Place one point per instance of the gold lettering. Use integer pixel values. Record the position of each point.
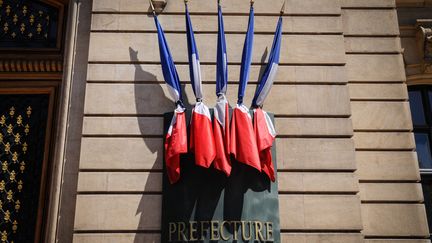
(258, 228)
(244, 230)
(214, 226)
(180, 233)
(203, 229)
(235, 229)
(192, 229)
(172, 229)
(222, 230)
(269, 231)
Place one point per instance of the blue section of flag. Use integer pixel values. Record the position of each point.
(270, 71)
(168, 68)
(222, 61)
(246, 57)
(194, 67)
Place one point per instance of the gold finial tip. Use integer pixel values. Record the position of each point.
(185, 1)
(252, 2)
(282, 11)
(283, 8)
(152, 7)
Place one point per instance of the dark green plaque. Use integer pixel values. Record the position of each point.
(206, 206)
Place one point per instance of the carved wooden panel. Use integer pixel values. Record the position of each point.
(23, 126)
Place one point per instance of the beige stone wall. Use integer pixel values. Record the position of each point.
(340, 106)
(387, 164)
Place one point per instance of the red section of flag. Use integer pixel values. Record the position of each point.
(222, 138)
(201, 136)
(175, 144)
(243, 142)
(265, 136)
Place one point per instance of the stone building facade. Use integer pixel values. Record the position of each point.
(348, 170)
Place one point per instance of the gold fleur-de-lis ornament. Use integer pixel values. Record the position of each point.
(5, 166)
(17, 138)
(9, 128)
(2, 120)
(22, 166)
(20, 185)
(25, 147)
(7, 148)
(2, 185)
(14, 157)
(4, 236)
(9, 196)
(7, 215)
(19, 120)
(14, 226)
(12, 176)
(17, 205)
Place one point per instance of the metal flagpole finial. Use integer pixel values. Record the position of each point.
(152, 7)
(252, 2)
(282, 11)
(218, 2)
(186, 1)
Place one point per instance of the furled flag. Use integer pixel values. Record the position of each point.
(221, 111)
(263, 126)
(243, 142)
(176, 137)
(201, 133)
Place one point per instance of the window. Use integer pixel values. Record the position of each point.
(421, 111)
(420, 98)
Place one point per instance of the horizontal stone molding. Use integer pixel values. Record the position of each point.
(153, 126)
(384, 140)
(146, 153)
(143, 212)
(285, 237)
(383, 92)
(375, 68)
(155, 99)
(370, 22)
(206, 23)
(116, 238)
(153, 73)
(387, 166)
(391, 192)
(394, 220)
(368, 4)
(228, 6)
(363, 45)
(151, 182)
(143, 47)
(381, 116)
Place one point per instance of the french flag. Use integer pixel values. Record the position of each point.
(263, 126)
(221, 130)
(176, 137)
(243, 141)
(201, 132)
